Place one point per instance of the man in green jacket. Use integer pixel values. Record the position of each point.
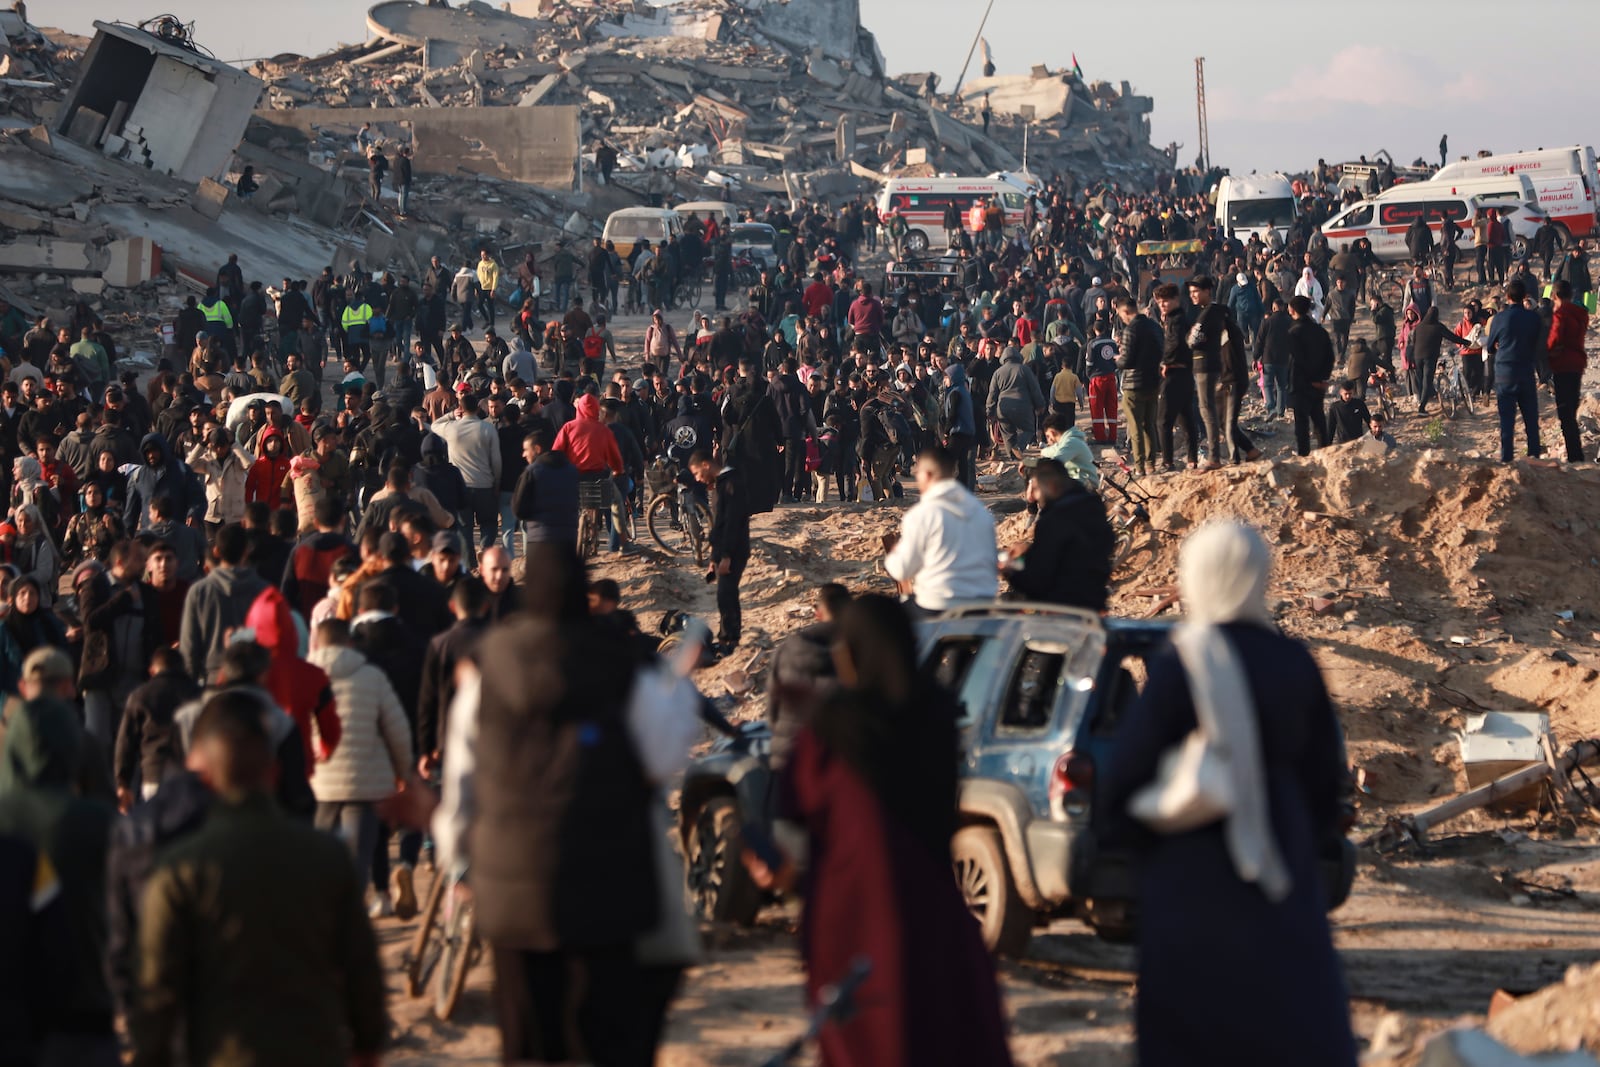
(253, 939)
(42, 802)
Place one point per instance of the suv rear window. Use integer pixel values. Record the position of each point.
(965, 667)
(1031, 696)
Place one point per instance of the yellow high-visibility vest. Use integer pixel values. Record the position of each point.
(217, 312)
(357, 315)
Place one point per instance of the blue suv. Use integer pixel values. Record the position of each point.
(1042, 690)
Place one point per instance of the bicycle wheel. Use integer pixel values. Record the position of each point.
(425, 945)
(460, 952)
(588, 533)
(1391, 290)
(699, 526)
(661, 518)
(1122, 549)
(1467, 401)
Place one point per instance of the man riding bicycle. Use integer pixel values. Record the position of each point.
(592, 448)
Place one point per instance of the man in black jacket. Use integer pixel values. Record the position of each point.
(545, 500)
(1139, 360)
(1347, 416)
(1069, 561)
(729, 540)
(789, 397)
(1310, 367)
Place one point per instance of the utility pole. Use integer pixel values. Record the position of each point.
(975, 38)
(1200, 106)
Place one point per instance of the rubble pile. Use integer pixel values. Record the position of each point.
(773, 98)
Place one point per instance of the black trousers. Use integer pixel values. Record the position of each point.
(728, 603)
(1567, 393)
(964, 447)
(543, 999)
(797, 483)
(1308, 413)
(1177, 402)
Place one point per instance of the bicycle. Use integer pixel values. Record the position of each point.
(676, 517)
(1380, 389)
(1390, 284)
(835, 1005)
(1130, 517)
(1451, 385)
(444, 951)
(594, 498)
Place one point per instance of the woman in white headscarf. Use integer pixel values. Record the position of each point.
(1311, 289)
(1233, 913)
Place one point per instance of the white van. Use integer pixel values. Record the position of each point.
(634, 224)
(1565, 180)
(1385, 220)
(1252, 204)
(921, 202)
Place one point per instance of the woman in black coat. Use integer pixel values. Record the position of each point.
(1234, 913)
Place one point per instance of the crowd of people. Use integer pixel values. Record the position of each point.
(254, 595)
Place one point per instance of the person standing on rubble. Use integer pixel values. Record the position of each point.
(605, 158)
(402, 180)
(378, 166)
(1234, 912)
(464, 291)
(488, 282)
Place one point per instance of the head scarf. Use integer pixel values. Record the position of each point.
(1222, 576)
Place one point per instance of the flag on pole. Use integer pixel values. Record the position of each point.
(1075, 68)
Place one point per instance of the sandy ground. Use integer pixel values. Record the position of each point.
(1442, 574)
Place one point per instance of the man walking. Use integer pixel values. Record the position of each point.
(1513, 345)
(252, 944)
(474, 450)
(729, 540)
(1310, 367)
(945, 553)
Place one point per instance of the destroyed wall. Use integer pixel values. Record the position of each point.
(537, 145)
(154, 103)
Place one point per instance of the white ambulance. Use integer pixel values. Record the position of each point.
(921, 202)
(1564, 179)
(1385, 219)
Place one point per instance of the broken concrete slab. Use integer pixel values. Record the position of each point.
(538, 145)
(44, 254)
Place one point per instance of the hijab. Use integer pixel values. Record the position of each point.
(1222, 577)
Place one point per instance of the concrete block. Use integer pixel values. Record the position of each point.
(113, 145)
(87, 126)
(132, 261)
(89, 285)
(209, 198)
(44, 253)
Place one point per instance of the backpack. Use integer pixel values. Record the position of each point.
(895, 426)
(594, 346)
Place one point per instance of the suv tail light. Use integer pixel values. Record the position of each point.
(1073, 773)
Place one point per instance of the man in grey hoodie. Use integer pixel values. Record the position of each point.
(218, 603)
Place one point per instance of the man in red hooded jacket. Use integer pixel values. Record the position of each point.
(587, 442)
(267, 474)
(300, 688)
(1568, 328)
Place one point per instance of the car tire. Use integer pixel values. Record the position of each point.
(916, 242)
(720, 889)
(984, 879)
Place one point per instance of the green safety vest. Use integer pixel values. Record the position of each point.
(359, 315)
(217, 312)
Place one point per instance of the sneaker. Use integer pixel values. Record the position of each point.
(381, 907)
(405, 893)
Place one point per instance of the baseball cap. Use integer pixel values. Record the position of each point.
(445, 541)
(463, 387)
(48, 665)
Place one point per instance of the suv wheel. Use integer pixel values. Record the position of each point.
(984, 879)
(719, 885)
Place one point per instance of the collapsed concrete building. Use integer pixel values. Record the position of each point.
(774, 97)
(120, 155)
